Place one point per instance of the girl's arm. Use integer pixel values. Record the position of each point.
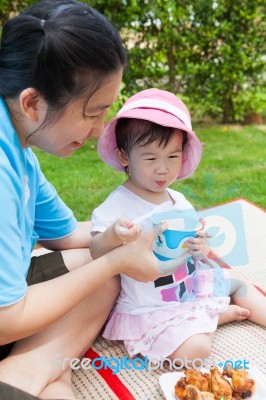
(120, 232)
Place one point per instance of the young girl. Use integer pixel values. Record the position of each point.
(152, 140)
(61, 65)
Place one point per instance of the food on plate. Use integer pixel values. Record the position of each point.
(243, 386)
(220, 386)
(180, 388)
(196, 385)
(198, 379)
(190, 392)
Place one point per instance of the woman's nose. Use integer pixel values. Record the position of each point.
(98, 127)
(96, 132)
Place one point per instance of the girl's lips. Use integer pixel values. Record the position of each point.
(160, 183)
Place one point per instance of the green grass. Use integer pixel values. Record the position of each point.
(233, 165)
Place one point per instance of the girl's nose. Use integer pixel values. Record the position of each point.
(161, 168)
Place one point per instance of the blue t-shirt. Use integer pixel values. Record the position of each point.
(30, 209)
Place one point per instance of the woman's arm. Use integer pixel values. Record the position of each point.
(46, 302)
(81, 238)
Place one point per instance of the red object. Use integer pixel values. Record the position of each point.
(111, 379)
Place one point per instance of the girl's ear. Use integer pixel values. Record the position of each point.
(32, 104)
(122, 157)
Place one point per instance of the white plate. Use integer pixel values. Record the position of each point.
(167, 382)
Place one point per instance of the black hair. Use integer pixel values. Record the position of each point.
(131, 132)
(63, 48)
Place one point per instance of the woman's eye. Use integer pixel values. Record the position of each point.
(91, 116)
(150, 159)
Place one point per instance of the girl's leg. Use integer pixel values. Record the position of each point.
(233, 313)
(245, 295)
(197, 346)
(40, 362)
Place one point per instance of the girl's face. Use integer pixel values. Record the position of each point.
(74, 128)
(155, 167)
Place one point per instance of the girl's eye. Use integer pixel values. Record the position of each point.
(150, 159)
(173, 157)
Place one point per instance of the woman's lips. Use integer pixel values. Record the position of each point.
(77, 144)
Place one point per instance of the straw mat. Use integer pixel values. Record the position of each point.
(233, 341)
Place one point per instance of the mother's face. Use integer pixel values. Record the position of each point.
(74, 126)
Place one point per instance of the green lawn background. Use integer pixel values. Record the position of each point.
(233, 165)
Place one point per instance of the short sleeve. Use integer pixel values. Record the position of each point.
(102, 217)
(53, 219)
(109, 211)
(12, 261)
(29, 209)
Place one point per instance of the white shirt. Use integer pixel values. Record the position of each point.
(135, 297)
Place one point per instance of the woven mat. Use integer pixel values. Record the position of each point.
(234, 341)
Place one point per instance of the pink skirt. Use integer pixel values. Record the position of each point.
(157, 334)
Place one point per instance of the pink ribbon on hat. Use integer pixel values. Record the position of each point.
(160, 105)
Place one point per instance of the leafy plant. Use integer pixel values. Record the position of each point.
(210, 51)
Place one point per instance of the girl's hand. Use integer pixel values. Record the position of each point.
(120, 232)
(199, 247)
(125, 231)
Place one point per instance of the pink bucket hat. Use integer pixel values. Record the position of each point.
(162, 108)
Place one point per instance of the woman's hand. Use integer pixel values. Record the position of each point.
(199, 247)
(137, 260)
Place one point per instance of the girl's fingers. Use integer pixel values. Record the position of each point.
(200, 233)
(203, 223)
(196, 242)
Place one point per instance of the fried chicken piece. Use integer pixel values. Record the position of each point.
(190, 392)
(243, 386)
(220, 386)
(180, 388)
(208, 378)
(195, 394)
(196, 378)
(207, 396)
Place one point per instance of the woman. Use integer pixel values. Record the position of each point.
(61, 65)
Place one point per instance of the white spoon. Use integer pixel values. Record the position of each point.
(166, 206)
